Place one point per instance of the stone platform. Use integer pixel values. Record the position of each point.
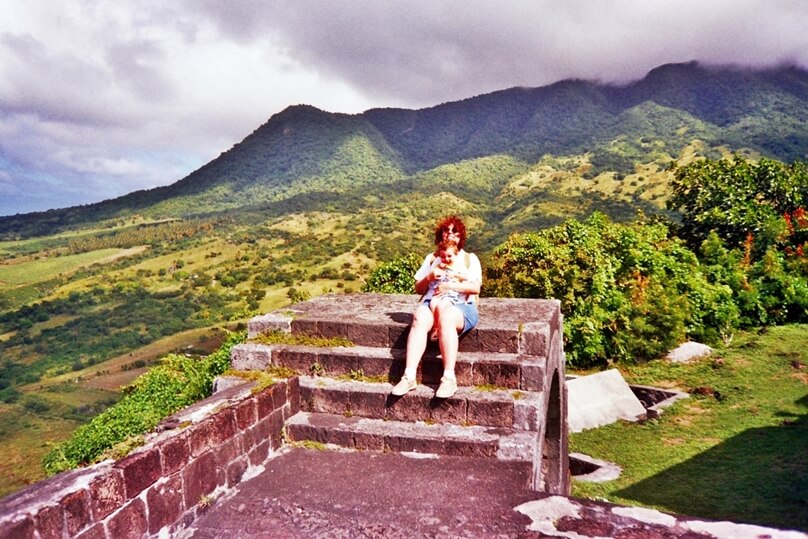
(318, 494)
(511, 401)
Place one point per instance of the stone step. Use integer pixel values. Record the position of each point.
(406, 437)
(516, 326)
(502, 370)
(513, 409)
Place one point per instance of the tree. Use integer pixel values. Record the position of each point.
(738, 200)
(628, 292)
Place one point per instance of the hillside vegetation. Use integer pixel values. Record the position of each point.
(312, 202)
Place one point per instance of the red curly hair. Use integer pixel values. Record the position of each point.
(455, 222)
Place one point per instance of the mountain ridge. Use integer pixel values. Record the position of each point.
(303, 149)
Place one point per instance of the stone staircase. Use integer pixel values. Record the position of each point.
(510, 405)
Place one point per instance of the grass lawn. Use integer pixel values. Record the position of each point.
(33, 271)
(736, 450)
(25, 438)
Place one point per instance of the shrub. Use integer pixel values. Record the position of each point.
(394, 277)
(176, 382)
(628, 292)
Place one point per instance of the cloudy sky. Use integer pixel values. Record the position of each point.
(100, 98)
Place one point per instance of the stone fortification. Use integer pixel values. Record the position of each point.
(162, 486)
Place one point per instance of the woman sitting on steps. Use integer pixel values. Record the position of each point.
(451, 320)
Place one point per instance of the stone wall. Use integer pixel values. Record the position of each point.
(196, 455)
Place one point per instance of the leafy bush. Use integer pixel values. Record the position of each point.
(394, 277)
(177, 382)
(738, 199)
(628, 292)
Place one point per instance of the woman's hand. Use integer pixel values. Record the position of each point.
(438, 273)
(444, 287)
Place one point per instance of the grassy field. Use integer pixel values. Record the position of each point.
(35, 270)
(25, 437)
(737, 449)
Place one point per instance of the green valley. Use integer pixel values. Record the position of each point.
(311, 202)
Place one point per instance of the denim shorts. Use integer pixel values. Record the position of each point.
(470, 314)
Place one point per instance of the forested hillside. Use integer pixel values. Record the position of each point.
(477, 148)
(311, 202)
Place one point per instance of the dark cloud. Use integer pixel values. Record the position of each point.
(429, 52)
(99, 99)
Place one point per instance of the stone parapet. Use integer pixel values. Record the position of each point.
(509, 369)
(197, 454)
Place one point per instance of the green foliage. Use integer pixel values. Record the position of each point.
(394, 277)
(738, 200)
(296, 296)
(629, 292)
(176, 382)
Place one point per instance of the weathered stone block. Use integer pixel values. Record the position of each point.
(49, 522)
(130, 521)
(278, 391)
(227, 452)
(199, 479)
(222, 426)
(330, 400)
(533, 373)
(299, 359)
(293, 395)
(21, 528)
(528, 413)
(410, 407)
(451, 410)
(367, 334)
(335, 364)
(259, 453)
(498, 340)
(490, 410)
(200, 436)
(469, 448)
(107, 494)
(368, 404)
(276, 429)
(140, 470)
(235, 471)
(165, 503)
(305, 327)
(268, 323)
(534, 339)
(77, 510)
(498, 374)
(261, 431)
(246, 414)
(264, 403)
(250, 357)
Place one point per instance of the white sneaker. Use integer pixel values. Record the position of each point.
(404, 386)
(447, 388)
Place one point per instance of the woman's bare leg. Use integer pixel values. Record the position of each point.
(450, 320)
(422, 322)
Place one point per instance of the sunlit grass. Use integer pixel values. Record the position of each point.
(737, 449)
(41, 269)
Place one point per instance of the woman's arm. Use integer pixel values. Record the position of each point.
(426, 274)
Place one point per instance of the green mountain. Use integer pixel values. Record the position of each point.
(482, 148)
